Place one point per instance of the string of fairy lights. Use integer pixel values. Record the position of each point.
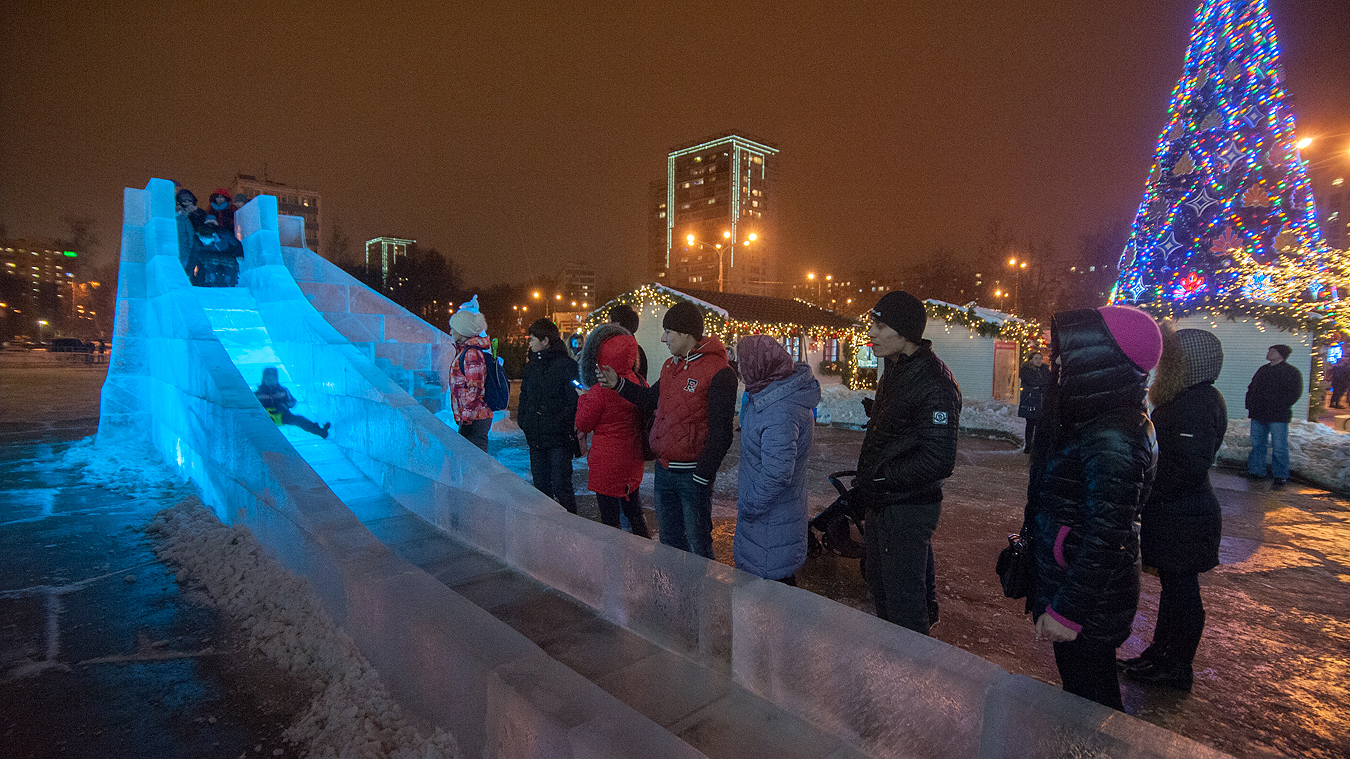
(651, 299)
(1228, 212)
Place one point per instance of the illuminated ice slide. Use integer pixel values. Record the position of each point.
(730, 658)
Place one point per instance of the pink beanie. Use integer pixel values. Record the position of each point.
(1136, 333)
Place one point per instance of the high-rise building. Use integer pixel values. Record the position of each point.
(290, 201)
(716, 217)
(382, 252)
(1336, 222)
(578, 284)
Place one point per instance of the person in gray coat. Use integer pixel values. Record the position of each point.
(776, 427)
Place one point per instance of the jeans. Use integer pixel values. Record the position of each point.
(611, 506)
(1278, 433)
(476, 432)
(1181, 620)
(900, 563)
(1029, 434)
(551, 470)
(1088, 669)
(684, 511)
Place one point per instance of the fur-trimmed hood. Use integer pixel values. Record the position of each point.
(589, 359)
(1190, 357)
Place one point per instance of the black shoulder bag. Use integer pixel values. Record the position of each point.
(1015, 567)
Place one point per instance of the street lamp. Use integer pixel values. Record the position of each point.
(1018, 267)
(721, 249)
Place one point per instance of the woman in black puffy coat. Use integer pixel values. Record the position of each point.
(1091, 466)
(1180, 525)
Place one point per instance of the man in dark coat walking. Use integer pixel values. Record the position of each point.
(1270, 401)
(547, 413)
(908, 451)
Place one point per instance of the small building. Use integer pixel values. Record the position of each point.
(833, 345)
(982, 347)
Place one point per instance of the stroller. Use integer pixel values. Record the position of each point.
(834, 524)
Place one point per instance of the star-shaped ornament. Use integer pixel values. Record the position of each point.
(1168, 245)
(1137, 289)
(1202, 202)
(1230, 155)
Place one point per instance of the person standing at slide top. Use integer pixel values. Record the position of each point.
(908, 451)
(547, 413)
(1092, 462)
(614, 459)
(694, 402)
(468, 377)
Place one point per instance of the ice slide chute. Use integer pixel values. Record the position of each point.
(717, 660)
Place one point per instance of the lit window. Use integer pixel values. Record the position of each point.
(661, 215)
(684, 186)
(711, 201)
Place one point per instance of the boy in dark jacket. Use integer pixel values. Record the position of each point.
(215, 256)
(626, 317)
(1033, 376)
(547, 413)
(909, 449)
(694, 402)
(1270, 402)
(278, 402)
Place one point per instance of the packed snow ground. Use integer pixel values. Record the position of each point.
(1317, 453)
(351, 715)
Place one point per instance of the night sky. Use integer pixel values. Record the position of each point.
(512, 136)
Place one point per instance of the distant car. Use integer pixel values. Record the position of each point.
(69, 345)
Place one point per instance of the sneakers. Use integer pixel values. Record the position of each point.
(1161, 673)
(1278, 484)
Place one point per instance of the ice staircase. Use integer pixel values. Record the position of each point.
(486, 608)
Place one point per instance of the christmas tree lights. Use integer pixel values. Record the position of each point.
(1227, 214)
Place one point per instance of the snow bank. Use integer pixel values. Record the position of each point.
(130, 469)
(843, 407)
(352, 715)
(1317, 453)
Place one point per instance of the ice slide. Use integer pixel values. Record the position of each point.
(486, 608)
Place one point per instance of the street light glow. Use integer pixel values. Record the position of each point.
(1303, 143)
(811, 276)
(690, 239)
(727, 235)
(754, 236)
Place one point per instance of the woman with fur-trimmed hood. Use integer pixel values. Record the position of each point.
(1180, 522)
(615, 457)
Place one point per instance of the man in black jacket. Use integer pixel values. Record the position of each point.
(1270, 401)
(547, 413)
(909, 449)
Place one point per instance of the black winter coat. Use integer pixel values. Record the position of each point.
(1180, 525)
(1033, 379)
(548, 403)
(910, 445)
(1273, 391)
(1092, 463)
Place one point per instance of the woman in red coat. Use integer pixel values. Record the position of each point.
(615, 455)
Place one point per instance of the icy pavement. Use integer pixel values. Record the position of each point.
(101, 653)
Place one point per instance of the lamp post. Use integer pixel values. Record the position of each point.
(1018, 267)
(721, 249)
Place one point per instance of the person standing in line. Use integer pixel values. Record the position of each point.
(776, 428)
(547, 413)
(1340, 381)
(908, 451)
(1034, 376)
(615, 457)
(694, 402)
(468, 376)
(1270, 401)
(278, 402)
(1091, 466)
(626, 317)
(222, 209)
(1180, 524)
(189, 218)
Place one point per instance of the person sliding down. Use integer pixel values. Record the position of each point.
(278, 401)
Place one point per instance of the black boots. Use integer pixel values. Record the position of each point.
(1177, 676)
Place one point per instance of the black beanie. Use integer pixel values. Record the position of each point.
(903, 313)
(684, 317)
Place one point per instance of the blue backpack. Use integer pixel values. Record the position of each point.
(496, 388)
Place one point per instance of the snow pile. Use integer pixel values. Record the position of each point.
(1317, 453)
(133, 469)
(843, 408)
(352, 716)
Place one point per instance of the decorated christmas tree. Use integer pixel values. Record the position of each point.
(1227, 215)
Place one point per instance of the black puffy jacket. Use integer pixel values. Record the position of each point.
(1092, 464)
(1180, 525)
(1273, 391)
(548, 403)
(910, 445)
(1033, 380)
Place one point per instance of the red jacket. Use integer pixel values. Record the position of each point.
(468, 387)
(615, 456)
(681, 430)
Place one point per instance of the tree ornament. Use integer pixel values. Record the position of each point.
(1255, 197)
(1231, 72)
(1211, 121)
(1228, 241)
(1176, 132)
(1184, 166)
(1191, 283)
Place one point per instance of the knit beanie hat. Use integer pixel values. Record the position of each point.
(468, 323)
(1136, 333)
(1283, 350)
(903, 313)
(1204, 356)
(684, 317)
